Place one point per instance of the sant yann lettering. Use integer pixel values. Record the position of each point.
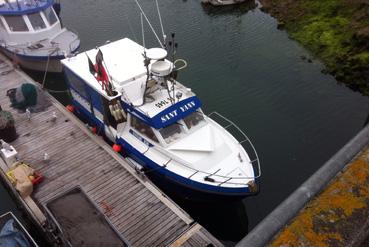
(178, 111)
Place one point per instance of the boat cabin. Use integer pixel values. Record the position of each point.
(19, 20)
(159, 120)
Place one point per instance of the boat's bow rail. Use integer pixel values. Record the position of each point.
(242, 139)
(52, 46)
(41, 48)
(216, 178)
(73, 40)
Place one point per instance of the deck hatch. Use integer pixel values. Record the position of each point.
(80, 221)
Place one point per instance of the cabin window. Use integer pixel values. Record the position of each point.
(171, 132)
(143, 128)
(193, 119)
(76, 84)
(36, 21)
(16, 23)
(50, 16)
(2, 24)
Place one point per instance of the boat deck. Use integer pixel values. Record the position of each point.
(138, 211)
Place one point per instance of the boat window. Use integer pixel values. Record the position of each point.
(143, 128)
(36, 21)
(172, 132)
(16, 23)
(2, 24)
(193, 119)
(76, 83)
(50, 16)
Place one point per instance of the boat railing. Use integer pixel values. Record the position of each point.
(222, 179)
(73, 41)
(242, 139)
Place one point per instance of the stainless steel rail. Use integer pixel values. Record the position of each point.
(221, 180)
(245, 142)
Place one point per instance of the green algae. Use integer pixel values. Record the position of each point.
(334, 31)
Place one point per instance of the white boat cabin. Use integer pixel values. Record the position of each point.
(31, 29)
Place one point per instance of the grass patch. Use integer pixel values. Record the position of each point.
(329, 30)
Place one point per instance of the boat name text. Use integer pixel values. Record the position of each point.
(175, 112)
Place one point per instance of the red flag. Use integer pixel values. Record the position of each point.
(99, 72)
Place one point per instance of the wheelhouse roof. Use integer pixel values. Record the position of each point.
(123, 59)
(23, 7)
(124, 62)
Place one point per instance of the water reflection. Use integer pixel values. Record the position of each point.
(226, 220)
(234, 10)
(54, 84)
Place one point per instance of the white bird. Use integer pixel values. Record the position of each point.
(28, 114)
(54, 117)
(46, 156)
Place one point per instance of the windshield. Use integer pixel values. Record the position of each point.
(143, 128)
(16, 23)
(50, 16)
(194, 119)
(36, 21)
(172, 132)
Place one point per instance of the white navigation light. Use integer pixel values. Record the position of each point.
(161, 68)
(156, 53)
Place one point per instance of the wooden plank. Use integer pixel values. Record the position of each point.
(134, 210)
(144, 220)
(186, 236)
(129, 200)
(114, 189)
(67, 178)
(154, 226)
(166, 236)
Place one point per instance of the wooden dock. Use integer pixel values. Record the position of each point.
(138, 210)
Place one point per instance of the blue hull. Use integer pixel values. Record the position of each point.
(166, 180)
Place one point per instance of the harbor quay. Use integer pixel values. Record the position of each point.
(89, 194)
(338, 216)
(331, 208)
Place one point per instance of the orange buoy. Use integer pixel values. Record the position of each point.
(117, 148)
(70, 108)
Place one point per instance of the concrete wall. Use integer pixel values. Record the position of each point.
(277, 219)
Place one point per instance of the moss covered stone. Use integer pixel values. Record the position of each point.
(336, 31)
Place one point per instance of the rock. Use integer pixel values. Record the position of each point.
(362, 36)
(280, 25)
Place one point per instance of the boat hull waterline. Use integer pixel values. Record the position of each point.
(168, 181)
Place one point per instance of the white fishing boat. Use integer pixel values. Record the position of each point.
(222, 2)
(158, 122)
(32, 35)
(132, 97)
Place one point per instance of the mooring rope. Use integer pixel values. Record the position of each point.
(47, 67)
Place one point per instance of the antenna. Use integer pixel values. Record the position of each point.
(152, 29)
(161, 23)
(143, 34)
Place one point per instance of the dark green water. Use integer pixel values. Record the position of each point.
(243, 67)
